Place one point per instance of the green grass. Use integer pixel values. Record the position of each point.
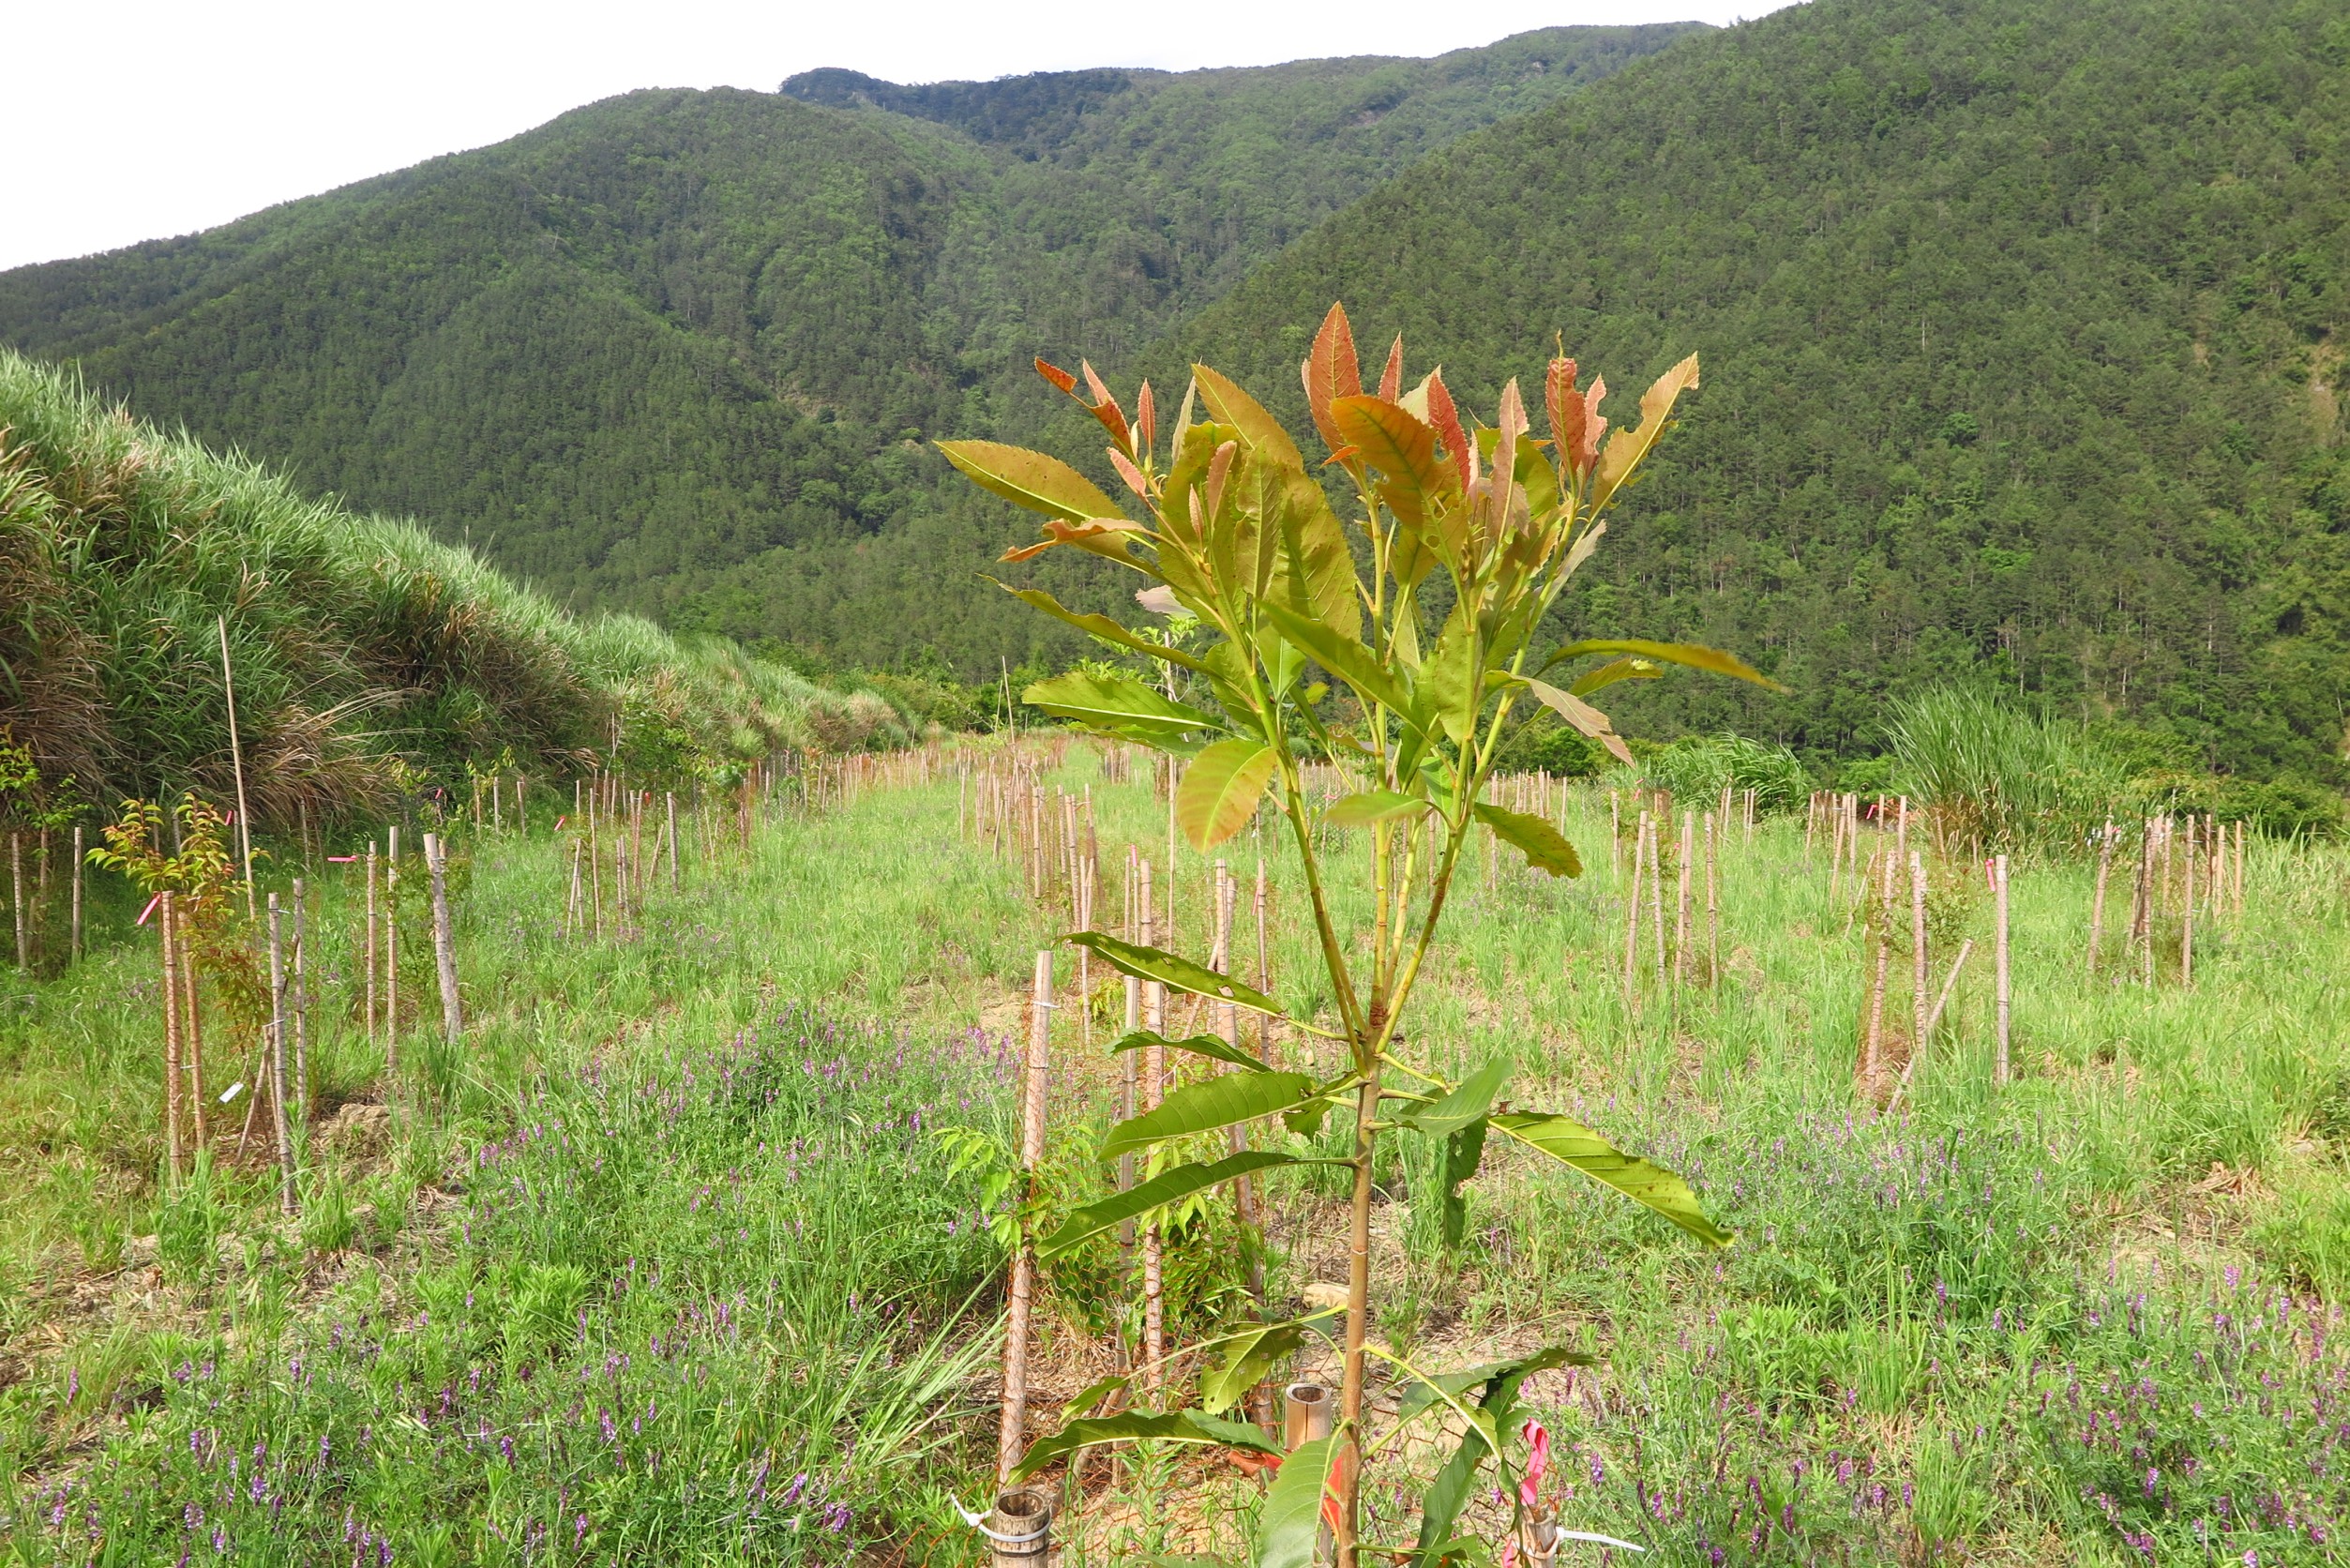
(676, 1181)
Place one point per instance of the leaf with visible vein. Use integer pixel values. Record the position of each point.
(1199, 1107)
(1343, 655)
(1695, 656)
(1544, 847)
(1220, 789)
(1366, 807)
(1167, 1186)
(1180, 973)
(1118, 704)
(1184, 1427)
(1584, 716)
(1236, 408)
(1291, 1522)
(1644, 1182)
(1101, 625)
(1197, 1045)
(1031, 479)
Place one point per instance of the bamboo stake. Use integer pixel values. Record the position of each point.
(1950, 983)
(236, 761)
(1128, 1064)
(675, 883)
(1680, 920)
(1875, 1044)
(391, 952)
(1713, 904)
(278, 1061)
(1918, 976)
(443, 937)
(2000, 959)
(1632, 922)
(2186, 911)
(370, 944)
(1154, 1079)
(173, 1085)
(16, 896)
(192, 1034)
(301, 1015)
(1011, 1435)
(77, 893)
(1656, 886)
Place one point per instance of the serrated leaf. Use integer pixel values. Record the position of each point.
(1031, 479)
(1695, 656)
(1184, 1427)
(1198, 1045)
(1330, 371)
(1102, 627)
(1450, 687)
(1117, 703)
(1583, 717)
(1236, 408)
(1343, 655)
(1544, 847)
(1220, 789)
(1401, 446)
(1570, 1143)
(1179, 973)
(1291, 1522)
(1199, 1107)
(1366, 807)
(1167, 1186)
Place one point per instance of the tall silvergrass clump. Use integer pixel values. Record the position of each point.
(1996, 777)
(357, 640)
(1698, 767)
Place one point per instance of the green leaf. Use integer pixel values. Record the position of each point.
(1220, 789)
(1464, 1152)
(1099, 625)
(1291, 1522)
(1177, 973)
(1031, 479)
(1691, 654)
(1343, 655)
(1119, 704)
(1198, 1045)
(1186, 1427)
(1467, 1102)
(1440, 1504)
(1573, 1144)
(1196, 1107)
(1167, 1186)
(1613, 670)
(1450, 685)
(1625, 448)
(1584, 716)
(1236, 408)
(1369, 806)
(1544, 847)
(1245, 1362)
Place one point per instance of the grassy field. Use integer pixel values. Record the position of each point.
(665, 1264)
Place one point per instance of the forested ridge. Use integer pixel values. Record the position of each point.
(674, 330)
(2022, 327)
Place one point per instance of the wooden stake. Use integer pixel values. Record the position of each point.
(16, 897)
(301, 1008)
(1632, 922)
(1012, 1435)
(391, 952)
(1154, 1083)
(1713, 904)
(444, 939)
(370, 944)
(670, 798)
(278, 1116)
(191, 1029)
(1875, 1045)
(1680, 920)
(1656, 886)
(2096, 899)
(173, 1085)
(2186, 911)
(77, 893)
(1919, 978)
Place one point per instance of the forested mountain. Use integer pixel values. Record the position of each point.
(673, 330)
(2022, 325)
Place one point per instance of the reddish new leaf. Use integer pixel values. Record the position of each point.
(1391, 379)
(1447, 420)
(1330, 372)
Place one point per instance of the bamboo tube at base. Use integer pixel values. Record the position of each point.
(1020, 1527)
(1012, 1435)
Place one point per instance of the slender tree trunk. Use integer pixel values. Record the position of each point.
(173, 1086)
(1154, 1085)
(1011, 1433)
(301, 1008)
(192, 1014)
(436, 854)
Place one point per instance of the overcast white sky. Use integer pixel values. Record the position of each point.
(136, 120)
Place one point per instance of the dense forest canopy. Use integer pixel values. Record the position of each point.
(2021, 323)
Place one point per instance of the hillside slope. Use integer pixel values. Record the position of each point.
(363, 649)
(674, 330)
(2023, 329)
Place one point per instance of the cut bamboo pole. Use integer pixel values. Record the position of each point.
(191, 1027)
(1919, 977)
(174, 1086)
(301, 1009)
(436, 854)
(1656, 886)
(77, 895)
(1632, 922)
(2187, 911)
(278, 1116)
(1680, 919)
(1873, 1049)
(1714, 903)
(1011, 1435)
(391, 952)
(371, 945)
(1153, 1083)
(2003, 1065)
(670, 798)
(16, 897)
